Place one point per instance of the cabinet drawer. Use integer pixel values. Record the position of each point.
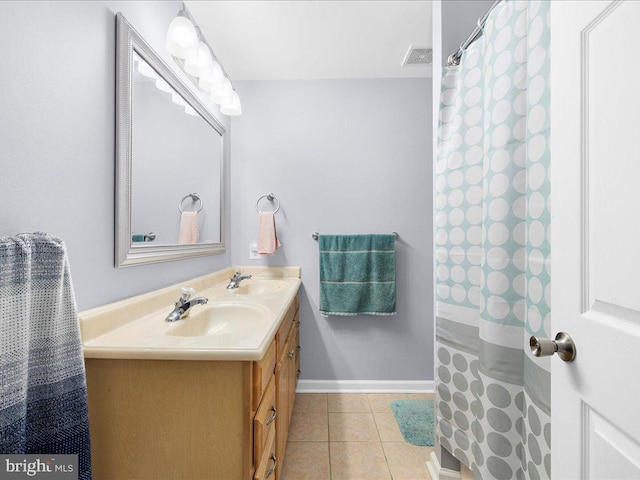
(262, 373)
(285, 326)
(267, 466)
(265, 420)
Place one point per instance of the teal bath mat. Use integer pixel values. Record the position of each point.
(415, 419)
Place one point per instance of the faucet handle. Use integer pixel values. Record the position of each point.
(187, 293)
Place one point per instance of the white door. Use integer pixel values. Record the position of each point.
(595, 183)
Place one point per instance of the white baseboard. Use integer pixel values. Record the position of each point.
(439, 473)
(365, 386)
(433, 465)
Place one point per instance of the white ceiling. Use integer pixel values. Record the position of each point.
(287, 40)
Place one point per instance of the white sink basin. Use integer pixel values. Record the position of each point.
(221, 319)
(236, 325)
(261, 287)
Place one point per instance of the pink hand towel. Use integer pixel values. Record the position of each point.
(188, 228)
(267, 237)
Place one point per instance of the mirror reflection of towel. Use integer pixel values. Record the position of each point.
(268, 241)
(188, 228)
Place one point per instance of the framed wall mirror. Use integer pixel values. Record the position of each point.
(169, 161)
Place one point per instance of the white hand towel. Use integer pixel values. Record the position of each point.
(188, 228)
(268, 241)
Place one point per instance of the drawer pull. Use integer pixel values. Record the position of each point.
(272, 469)
(299, 323)
(298, 347)
(291, 354)
(272, 417)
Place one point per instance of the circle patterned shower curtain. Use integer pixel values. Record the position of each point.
(493, 248)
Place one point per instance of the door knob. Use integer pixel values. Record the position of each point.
(563, 345)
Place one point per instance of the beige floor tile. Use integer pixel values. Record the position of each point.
(407, 461)
(381, 402)
(358, 461)
(348, 402)
(352, 427)
(311, 402)
(421, 396)
(306, 461)
(388, 427)
(309, 427)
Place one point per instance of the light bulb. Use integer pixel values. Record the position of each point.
(202, 65)
(215, 89)
(178, 100)
(182, 39)
(146, 70)
(224, 94)
(163, 86)
(209, 82)
(233, 107)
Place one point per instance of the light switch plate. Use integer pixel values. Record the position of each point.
(253, 250)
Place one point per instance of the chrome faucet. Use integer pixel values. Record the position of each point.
(234, 282)
(184, 304)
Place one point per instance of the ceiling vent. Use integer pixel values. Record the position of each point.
(418, 56)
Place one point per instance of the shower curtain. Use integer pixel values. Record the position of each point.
(493, 248)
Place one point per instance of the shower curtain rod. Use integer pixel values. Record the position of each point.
(454, 58)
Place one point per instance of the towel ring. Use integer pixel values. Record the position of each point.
(271, 197)
(195, 197)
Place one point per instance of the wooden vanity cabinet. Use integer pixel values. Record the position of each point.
(184, 419)
(264, 425)
(263, 371)
(285, 388)
(294, 358)
(267, 466)
(286, 379)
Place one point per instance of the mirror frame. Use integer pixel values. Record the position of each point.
(128, 41)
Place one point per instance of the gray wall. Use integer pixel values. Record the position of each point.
(343, 156)
(347, 156)
(57, 117)
(459, 18)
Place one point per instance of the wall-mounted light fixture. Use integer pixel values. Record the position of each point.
(194, 55)
(147, 71)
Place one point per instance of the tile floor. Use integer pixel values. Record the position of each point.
(351, 437)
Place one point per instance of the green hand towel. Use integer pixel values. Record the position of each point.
(357, 274)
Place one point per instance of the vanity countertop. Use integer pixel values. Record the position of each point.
(243, 321)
